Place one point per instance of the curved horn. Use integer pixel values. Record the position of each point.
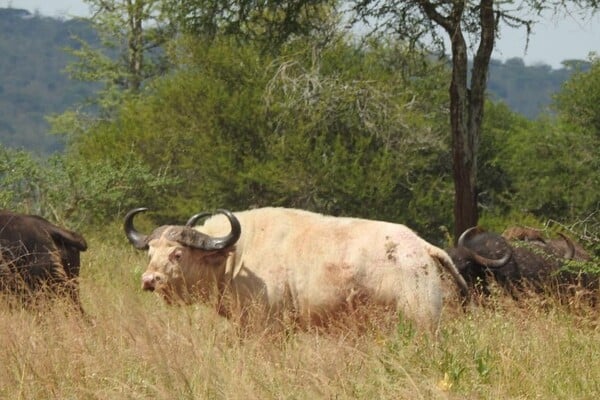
(491, 262)
(137, 239)
(196, 217)
(219, 243)
(463, 236)
(570, 253)
(486, 262)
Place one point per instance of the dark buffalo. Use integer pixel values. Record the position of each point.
(570, 248)
(38, 257)
(564, 245)
(514, 260)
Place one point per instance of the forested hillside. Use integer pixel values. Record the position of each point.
(528, 90)
(33, 83)
(32, 79)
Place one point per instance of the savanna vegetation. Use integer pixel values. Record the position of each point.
(136, 347)
(201, 110)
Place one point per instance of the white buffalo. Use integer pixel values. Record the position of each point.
(310, 265)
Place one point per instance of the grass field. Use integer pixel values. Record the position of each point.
(135, 347)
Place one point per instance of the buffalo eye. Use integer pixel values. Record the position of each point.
(175, 255)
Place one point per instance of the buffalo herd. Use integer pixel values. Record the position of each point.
(520, 259)
(263, 262)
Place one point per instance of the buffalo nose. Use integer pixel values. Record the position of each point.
(149, 281)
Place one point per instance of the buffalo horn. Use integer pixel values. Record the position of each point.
(137, 239)
(219, 243)
(570, 253)
(486, 262)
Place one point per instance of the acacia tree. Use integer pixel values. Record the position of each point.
(130, 31)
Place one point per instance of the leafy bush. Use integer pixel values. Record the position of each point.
(244, 129)
(20, 177)
(532, 172)
(76, 193)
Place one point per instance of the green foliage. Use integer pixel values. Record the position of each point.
(577, 102)
(351, 130)
(99, 191)
(358, 131)
(270, 23)
(49, 82)
(577, 267)
(320, 124)
(20, 175)
(495, 182)
(131, 35)
(76, 193)
(243, 129)
(198, 124)
(557, 172)
(127, 50)
(535, 171)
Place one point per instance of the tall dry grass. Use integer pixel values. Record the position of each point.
(135, 347)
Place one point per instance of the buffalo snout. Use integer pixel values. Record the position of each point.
(151, 280)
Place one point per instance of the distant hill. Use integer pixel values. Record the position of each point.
(32, 81)
(525, 89)
(33, 84)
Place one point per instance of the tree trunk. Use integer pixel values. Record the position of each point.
(463, 144)
(466, 106)
(135, 14)
(465, 170)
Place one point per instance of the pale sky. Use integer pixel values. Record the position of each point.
(553, 40)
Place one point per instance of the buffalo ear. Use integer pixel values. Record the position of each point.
(70, 238)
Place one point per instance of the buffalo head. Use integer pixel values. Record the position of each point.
(183, 260)
(519, 256)
(479, 254)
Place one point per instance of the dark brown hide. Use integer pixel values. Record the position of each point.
(490, 246)
(566, 245)
(38, 256)
(533, 262)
